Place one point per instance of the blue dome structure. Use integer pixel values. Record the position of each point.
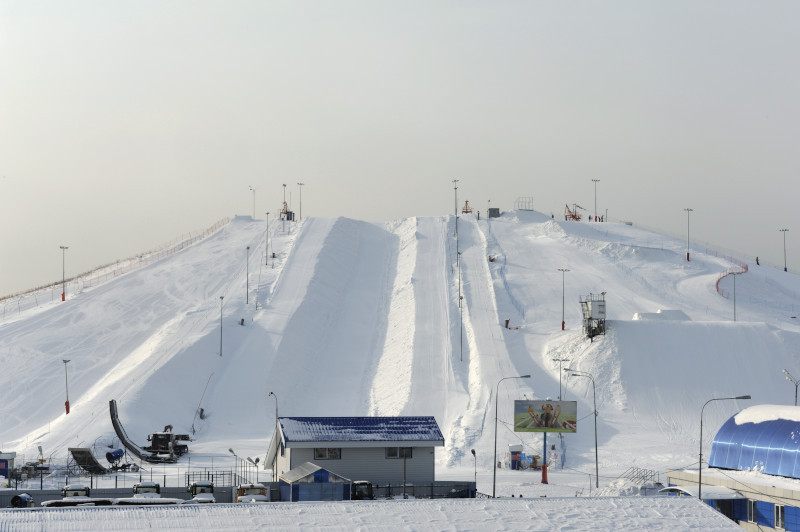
(765, 438)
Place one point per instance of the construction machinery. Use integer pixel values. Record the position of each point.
(167, 442)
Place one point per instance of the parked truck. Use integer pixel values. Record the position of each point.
(77, 495)
(252, 493)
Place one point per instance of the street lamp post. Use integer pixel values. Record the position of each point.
(795, 382)
(700, 465)
(563, 281)
(255, 465)
(577, 373)
(63, 273)
(687, 232)
(266, 262)
(220, 324)
(595, 198)
(66, 384)
(784, 249)
(300, 186)
(494, 458)
(285, 210)
(254, 201)
(247, 277)
(455, 203)
(559, 360)
(274, 464)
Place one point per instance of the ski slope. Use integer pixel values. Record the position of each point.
(357, 318)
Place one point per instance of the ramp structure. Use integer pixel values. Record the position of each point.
(140, 453)
(83, 457)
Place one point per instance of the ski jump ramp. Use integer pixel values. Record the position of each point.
(132, 447)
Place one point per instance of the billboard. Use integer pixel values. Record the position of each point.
(545, 416)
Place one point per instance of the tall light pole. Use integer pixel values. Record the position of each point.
(455, 192)
(559, 360)
(220, 324)
(266, 262)
(563, 285)
(66, 384)
(63, 273)
(254, 201)
(255, 465)
(577, 373)
(784, 248)
(494, 457)
(274, 464)
(285, 209)
(687, 232)
(595, 198)
(795, 382)
(300, 186)
(247, 277)
(700, 465)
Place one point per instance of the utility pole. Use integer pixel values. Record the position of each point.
(300, 186)
(784, 249)
(687, 232)
(64, 279)
(595, 198)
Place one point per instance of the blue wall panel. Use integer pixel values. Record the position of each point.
(766, 513)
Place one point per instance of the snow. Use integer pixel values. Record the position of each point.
(362, 319)
(762, 413)
(615, 513)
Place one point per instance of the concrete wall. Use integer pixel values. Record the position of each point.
(369, 463)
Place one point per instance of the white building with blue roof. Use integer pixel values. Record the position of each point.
(382, 450)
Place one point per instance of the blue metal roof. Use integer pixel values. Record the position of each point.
(771, 446)
(361, 429)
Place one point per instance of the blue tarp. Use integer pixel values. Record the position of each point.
(772, 447)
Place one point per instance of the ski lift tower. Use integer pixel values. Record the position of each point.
(593, 307)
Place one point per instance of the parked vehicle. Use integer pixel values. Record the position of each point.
(251, 493)
(76, 495)
(361, 490)
(147, 493)
(202, 492)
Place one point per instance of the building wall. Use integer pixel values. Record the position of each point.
(369, 463)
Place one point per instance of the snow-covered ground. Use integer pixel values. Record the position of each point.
(358, 318)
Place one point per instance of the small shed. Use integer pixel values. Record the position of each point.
(310, 482)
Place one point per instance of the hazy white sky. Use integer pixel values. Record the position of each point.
(125, 124)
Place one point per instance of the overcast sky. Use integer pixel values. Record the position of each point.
(126, 124)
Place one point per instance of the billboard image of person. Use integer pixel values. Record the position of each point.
(545, 416)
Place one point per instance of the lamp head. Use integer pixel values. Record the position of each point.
(524, 376)
(743, 397)
(472, 451)
(231, 451)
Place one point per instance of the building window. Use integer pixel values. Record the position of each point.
(322, 453)
(780, 516)
(398, 452)
(752, 515)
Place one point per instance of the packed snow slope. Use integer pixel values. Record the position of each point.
(349, 318)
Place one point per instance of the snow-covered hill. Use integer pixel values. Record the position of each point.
(358, 318)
